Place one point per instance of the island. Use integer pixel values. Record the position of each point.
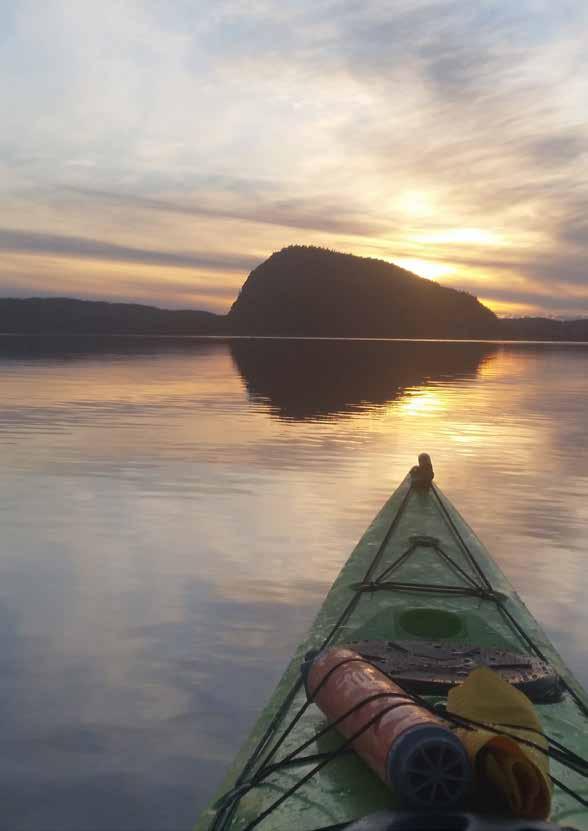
(302, 291)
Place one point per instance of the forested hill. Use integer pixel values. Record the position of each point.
(544, 328)
(301, 291)
(315, 292)
(42, 315)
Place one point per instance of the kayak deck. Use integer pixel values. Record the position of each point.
(396, 585)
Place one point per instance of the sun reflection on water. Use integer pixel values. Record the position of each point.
(422, 402)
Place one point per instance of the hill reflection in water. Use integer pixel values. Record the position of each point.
(73, 347)
(320, 379)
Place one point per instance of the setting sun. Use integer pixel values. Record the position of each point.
(424, 268)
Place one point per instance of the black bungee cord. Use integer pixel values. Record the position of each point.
(228, 803)
(222, 819)
(558, 753)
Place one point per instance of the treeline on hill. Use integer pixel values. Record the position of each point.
(301, 291)
(543, 328)
(65, 316)
(315, 292)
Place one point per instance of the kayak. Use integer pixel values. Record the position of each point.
(420, 583)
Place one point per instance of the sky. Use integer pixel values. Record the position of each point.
(156, 151)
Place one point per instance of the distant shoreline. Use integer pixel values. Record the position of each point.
(228, 337)
(301, 292)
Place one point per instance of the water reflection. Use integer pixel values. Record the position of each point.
(46, 348)
(302, 379)
(170, 525)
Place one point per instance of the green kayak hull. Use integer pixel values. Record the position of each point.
(346, 789)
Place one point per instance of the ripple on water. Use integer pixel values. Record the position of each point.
(172, 518)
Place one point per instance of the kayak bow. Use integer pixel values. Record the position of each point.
(419, 575)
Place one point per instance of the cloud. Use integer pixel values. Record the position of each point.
(258, 124)
(31, 242)
(322, 214)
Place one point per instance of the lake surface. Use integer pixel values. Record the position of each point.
(173, 512)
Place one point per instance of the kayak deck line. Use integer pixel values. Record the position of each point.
(347, 611)
(473, 588)
(580, 699)
(417, 536)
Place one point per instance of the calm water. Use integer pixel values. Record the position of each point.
(174, 511)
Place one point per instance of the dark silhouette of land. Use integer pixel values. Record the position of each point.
(300, 291)
(72, 348)
(315, 379)
(543, 328)
(61, 315)
(315, 292)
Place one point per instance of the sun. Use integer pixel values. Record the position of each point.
(424, 268)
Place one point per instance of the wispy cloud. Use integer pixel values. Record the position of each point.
(208, 135)
(322, 213)
(32, 242)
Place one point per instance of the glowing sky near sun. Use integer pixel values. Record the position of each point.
(156, 151)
